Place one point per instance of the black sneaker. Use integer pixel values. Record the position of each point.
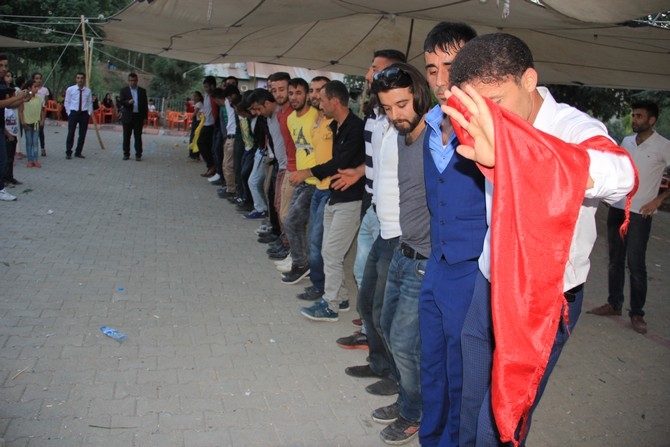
(311, 293)
(387, 414)
(361, 372)
(400, 432)
(357, 340)
(266, 239)
(281, 254)
(384, 387)
(296, 274)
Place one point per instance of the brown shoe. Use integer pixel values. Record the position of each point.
(639, 325)
(210, 172)
(605, 310)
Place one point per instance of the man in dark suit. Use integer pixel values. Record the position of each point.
(135, 109)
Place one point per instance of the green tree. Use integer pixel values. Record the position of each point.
(174, 79)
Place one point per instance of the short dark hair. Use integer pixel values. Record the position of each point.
(650, 106)
(246, 99)
(390, 54)
(279, 76)
(401, 75)
(132, 75)
(209, 80)
(337, 89)
(447, 36)
(295, 82)
(320, 79)
(222, 93)
(491, 58)
(231, 78)
(80, 73)
(35, 74)
(218, 93)
(260, 96)
(3, 57)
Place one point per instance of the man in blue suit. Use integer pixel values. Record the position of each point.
(455, 193)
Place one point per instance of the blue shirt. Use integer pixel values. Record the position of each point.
(441, 154)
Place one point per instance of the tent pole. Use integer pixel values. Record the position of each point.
(88, 57)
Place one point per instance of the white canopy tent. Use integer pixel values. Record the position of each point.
(573, 41)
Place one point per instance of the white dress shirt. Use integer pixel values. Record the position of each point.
(612, 175)
(72, 99)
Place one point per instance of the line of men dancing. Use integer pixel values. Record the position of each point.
(434, 299)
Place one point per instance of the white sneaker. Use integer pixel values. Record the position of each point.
(285, 266)
(214, 178)
(6, 197)
(264, 228)
(286, 259)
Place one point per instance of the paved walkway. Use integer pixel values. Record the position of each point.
(217, 354)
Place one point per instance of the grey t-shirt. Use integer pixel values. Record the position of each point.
(414, 214)
(277, 140)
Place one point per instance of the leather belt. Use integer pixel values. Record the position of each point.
(570, 295)
(409, 252)
(230, 137)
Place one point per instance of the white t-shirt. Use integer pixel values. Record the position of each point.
(651, 158)
(385, 188)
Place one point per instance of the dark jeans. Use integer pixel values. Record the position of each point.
(217, 150)
(316, 275)
(477, 425)
(134, 128)
(11, 153)
(41, 137)
(371, 300)
(74, 119)
(205, 141)
(238, 163)
(247, 166)
(634, 246)
(3, 161)
(296, 223)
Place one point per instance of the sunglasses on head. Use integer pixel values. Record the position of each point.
(392, 76)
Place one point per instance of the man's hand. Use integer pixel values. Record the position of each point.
(648, 209)
(346, 177)
(297, 177)
(480, 127)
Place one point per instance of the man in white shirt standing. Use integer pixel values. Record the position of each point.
(528, 296)
(78, 107)
(651, 153)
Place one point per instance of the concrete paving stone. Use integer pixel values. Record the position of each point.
(226, 325)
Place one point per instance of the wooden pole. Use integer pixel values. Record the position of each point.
(88, 60)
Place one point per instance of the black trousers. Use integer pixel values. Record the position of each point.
(75, 119)
(134, 127)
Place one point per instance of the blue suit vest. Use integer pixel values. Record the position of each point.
(457, 207)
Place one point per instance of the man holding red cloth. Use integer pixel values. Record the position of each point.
(549, 178)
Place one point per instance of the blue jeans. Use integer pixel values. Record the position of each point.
(477, 423)
(32, 142)
(400, 326)
(371, 300)
(367, 234)
(296, 223)
(319, 200)
(633, 246)
(256, 181)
